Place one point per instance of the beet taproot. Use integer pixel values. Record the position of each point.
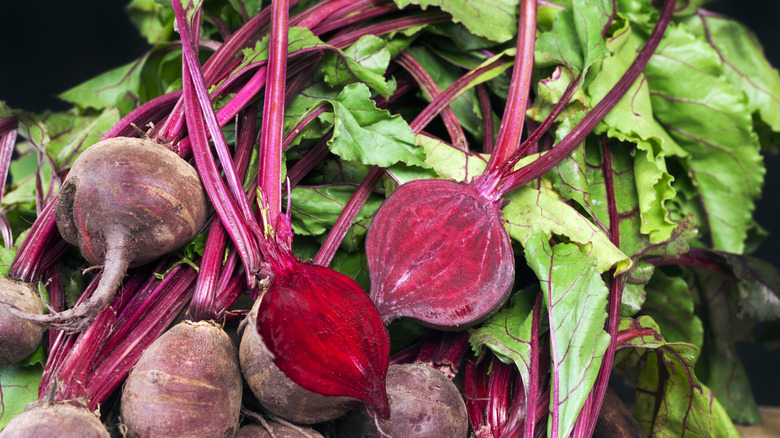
(423, 404)
(277, 392)
(125, 202)
(276, 430)
(19, 337)
(61, 420)
(187, 383)
(438, 253)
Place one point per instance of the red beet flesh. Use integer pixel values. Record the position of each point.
(325, 334)
(277, 392)
(125, 202)
(438, 253)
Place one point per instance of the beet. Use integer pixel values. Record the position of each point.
(277, 430)
(61, 420)
(19, 338)
(324, 333)
(125, 202)
(423, 403)
(187, 383)
(277, 392)
(438, 253)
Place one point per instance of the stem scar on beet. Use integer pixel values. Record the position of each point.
(125, 202)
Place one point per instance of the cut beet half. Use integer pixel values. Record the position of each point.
(420, 223)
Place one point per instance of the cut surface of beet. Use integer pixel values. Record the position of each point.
(438, 253)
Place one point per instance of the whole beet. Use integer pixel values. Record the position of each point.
(125, 202)
(61, 420)
(186, 384)
(19, 338)
(423, 404)
(276, 430)
(277, 392)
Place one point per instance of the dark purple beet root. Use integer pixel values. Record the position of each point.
(60, 420)
(276, 431)
(438, 253)
(423, 403)
(186, 384)
(125, 202)
(19, 338)
(275, 391)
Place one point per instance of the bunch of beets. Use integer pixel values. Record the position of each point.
(183, 212)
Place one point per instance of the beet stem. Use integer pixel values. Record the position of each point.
(511, 127)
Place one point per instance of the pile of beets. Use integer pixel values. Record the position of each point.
(199, 319)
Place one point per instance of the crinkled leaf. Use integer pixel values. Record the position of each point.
(316, 209)
(493, 19)
(550, 90)
(508, 333)
(532, 211)
(18, 387)
(152, 19)
(720, 366)
(364, 133)
(744, 63)
(365, 61)
(576, 299)
(687, 87)
(575, 38)
(631, 120)
(117, 88)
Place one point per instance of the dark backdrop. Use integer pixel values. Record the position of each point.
(49, 46)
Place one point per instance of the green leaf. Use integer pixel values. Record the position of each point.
(759, 287)
(631, 120)
(709, 118)
(532, 211)
(365, 61)
(450, 162)
(720, 366)
(576, 299)
(298, 38)
(744, 63)
(117, 88)
(152, 19)
(495, 20)
(670, 303)
(682, 406)
(316, 209)
(575, 39)
(364, 133)
(71, 134)
(18, 387)
(508, 332)
(444, 74)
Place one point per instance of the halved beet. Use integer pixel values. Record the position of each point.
(278, 393)
(438, 253)
(325, 334)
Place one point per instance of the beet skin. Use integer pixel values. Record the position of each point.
(186, 384)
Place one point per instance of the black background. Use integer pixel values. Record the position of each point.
(49, 46)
